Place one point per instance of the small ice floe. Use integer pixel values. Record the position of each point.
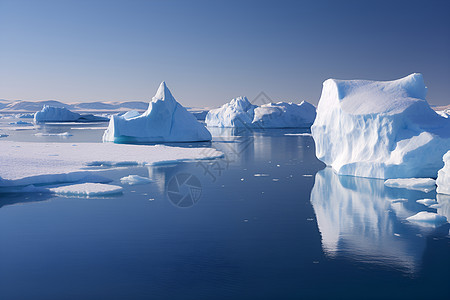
(427, 202)
(427, 219)
(397, 235)
(261, 175)
(242, 179)
(435, 206)
(135, 179)
(307, 175)
(400, 200)
(53, 134)
(420, 184)
(275, 179)
(298, 134)
(87, 190)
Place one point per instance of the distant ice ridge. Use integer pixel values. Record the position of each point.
(164, 121)
(380, 129)
(443, 179)
(61, 114)
(239, 112)
(48, 163)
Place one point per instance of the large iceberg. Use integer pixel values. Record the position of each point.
(165, 120)
(61, 114)
(239, 112)
(380, 129)
(443, 179)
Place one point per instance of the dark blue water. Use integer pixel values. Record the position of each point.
(293, 231)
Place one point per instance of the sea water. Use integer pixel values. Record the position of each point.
(266, 221)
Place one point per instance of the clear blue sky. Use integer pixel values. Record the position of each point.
(211, 51)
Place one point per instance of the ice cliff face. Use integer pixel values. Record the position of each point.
(164, 121)
(443, 179)
(241, 113)
(380, 129)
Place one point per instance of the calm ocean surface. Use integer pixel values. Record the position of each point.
(267, 221)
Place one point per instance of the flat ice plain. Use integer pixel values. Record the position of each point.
(25, 163)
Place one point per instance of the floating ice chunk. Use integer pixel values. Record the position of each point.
(165, 120)
(421, 184)
(135, 179)
(87, 190)
(239, 112)
(45, 163)
(443, 179)
(261, 175)
(61, 114)
(380, 129)
(400, 200)
(428, 217)
(427, 202)
(52, 134)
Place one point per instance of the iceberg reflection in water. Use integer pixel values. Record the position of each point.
(361, 219)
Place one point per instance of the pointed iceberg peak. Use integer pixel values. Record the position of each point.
(163, 93)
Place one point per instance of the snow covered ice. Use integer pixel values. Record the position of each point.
(87, 190)
(61, 114)
(25, 163)
(380, 129)
(239, 112)
(164, 121)
(443, 179)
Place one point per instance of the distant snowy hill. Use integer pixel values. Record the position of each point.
(33, 106)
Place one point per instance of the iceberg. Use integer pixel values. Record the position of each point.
(443, 179)
(164, 121)
(61, 114)
(87, 190)
(380, 129)
(427, 202)
(239, 112)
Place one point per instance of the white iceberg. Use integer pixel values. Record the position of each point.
(25, 163)
(443, 179)
(61, 114)
(239, 112)
(380, 129)
(164, 121)
(87, 190)
(420, 184)
(428, 218)
(135, 179)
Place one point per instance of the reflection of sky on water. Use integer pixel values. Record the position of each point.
(361, 219)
